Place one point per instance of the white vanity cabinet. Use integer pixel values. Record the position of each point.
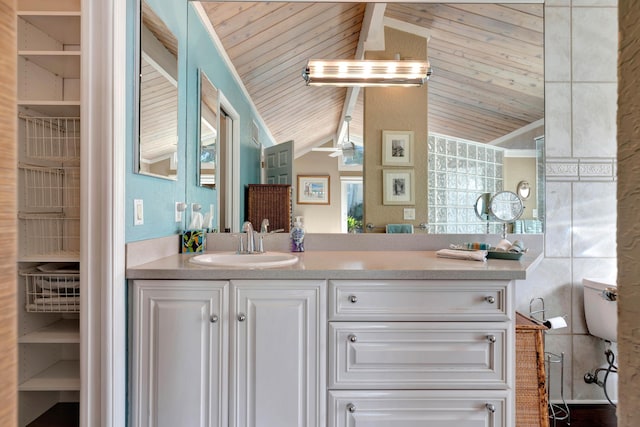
(438, 352)
(179, 353)
(184, 373)
(278, 353)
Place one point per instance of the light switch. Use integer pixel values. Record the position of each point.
(409, 213)
(138, 212)
(180, 207)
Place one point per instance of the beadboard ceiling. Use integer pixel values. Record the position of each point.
(487, 62)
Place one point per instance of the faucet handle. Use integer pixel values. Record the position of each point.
(261, 244)
(240, 244)
(264, 227)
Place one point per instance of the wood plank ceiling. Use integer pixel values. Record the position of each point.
(487, 61)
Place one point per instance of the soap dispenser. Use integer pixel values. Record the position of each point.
(297, 236)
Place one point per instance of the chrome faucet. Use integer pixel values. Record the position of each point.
(251, 245)
(264, 228)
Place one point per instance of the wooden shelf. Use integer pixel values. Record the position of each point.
(53, 257)
(62, 331)
(62, 26)
(48, 6)
(63, 375)
(65, 64)
(52, 108)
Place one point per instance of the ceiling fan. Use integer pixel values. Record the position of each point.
(347, 148)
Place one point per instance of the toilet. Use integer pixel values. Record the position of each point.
(601, 308)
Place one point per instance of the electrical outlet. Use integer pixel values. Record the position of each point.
(409, 213)
(138, 212)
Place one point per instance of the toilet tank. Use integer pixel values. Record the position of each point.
(600, 312)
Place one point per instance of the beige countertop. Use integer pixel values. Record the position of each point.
(381, 265)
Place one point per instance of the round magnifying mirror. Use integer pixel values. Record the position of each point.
(482, 207)
(524, 190)
(506, 206)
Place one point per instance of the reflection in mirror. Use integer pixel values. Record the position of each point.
(506, 206)
(208, 132)
(482, 207)
(158, 97)
(524, 190)
(486, 92)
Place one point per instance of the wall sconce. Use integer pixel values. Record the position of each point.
(352, 72)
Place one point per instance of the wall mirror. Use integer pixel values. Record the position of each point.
(485, 97)
(208, 151)
(157, 149)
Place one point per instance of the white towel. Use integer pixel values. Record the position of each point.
(460, 254)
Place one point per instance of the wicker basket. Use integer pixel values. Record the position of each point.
(531, 394)
(272, 202)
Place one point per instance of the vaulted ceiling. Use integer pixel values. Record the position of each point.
(487, 62)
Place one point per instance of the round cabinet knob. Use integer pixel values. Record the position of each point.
(490, 299)
(213, 318)
(353, 338)
(491, 338)
(242, 317)
(351, 407)
(490, 407)
(353, 299)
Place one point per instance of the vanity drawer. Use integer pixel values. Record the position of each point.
(412, 355)
(417, 300)
(413, 408)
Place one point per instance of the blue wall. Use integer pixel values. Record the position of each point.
(196, 52)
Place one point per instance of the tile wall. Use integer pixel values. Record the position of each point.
(581, 39)
(459, 171)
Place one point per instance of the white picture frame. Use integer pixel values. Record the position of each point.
(397, 148)
(398, 187)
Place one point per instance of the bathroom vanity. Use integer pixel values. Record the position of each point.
(341, 338)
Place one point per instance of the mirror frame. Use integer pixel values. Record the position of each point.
(137, 97)
(202, 76)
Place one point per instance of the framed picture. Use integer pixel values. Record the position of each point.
(397, 148)
(313, 189)
(397, 187)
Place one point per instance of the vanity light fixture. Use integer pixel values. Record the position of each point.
(352, 72)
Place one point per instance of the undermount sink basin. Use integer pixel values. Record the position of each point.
(235, 260)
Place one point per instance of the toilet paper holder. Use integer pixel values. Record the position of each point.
(557, 411)
(539, 314)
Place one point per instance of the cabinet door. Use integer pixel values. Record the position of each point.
(279, 342)
(179, 353)
(418, 408)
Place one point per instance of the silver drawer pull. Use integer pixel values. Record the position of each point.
(242, 317)
(491, 338)
(353, 338)
(353, 299)
(351, 407)
(490, 299)
(213, 318)
(490, 407)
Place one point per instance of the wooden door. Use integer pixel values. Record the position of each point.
(279, 163)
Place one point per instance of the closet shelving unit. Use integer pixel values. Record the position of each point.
(49, 75)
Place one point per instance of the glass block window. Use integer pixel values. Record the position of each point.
(459, 171)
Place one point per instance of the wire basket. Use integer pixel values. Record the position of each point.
(52, 292)
(50, 187)
(53, 138)
(51, 235)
